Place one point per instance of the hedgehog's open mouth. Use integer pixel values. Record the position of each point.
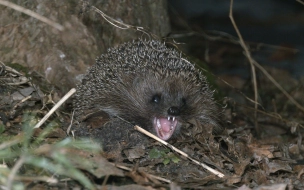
(164, 127)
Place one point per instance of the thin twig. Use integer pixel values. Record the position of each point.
(24, 81)
(149, 175)
(272, 115)
(117, 23)
(248, 55)
(219, 174)
(61, 101)
(111, 20)
(23, 100)
(103, 185)
(14, 171)
(32, 14)
(237, 90)
(47, 179)
(9, 69)
(71, 123)
(279, 86)
(224, 37)
(300, 2)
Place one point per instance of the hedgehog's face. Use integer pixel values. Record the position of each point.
(163, 105)
(166, 114)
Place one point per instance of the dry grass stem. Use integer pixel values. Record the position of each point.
(32, 14)
(254, 64)
(61, 101)
(272, 115)
(13, 172)
(279, 86)
(149, 175)
(112, 21)
(300, 2)
(9, 69)
(248, 55)
(51, 180)
(13, 73)
(103, 185)
(23, 100)
(117, 23)
(71, 123)
(24, 81)
(219, 174)
(225, 37)
(240, 92)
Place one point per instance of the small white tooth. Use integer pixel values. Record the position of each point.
(173, 118)
(168, 118)
(158, 123)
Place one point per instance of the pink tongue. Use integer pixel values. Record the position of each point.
(165, 124)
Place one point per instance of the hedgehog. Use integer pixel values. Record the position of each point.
(147, 84)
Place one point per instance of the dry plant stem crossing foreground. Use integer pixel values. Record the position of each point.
(61, 101)
(219, 174)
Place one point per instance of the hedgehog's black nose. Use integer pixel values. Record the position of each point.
(173, 111)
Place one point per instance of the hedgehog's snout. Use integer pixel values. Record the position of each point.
(174, 111)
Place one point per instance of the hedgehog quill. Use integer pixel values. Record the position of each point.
(148, 84)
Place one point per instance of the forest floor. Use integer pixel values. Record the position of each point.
(260, 148)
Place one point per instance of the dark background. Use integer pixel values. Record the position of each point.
(276, 23)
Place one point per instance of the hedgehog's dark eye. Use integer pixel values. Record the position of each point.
(156, 98)
(184, 101)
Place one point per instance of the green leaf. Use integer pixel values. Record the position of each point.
(175, 159)
(166, 161)
(155, 153)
